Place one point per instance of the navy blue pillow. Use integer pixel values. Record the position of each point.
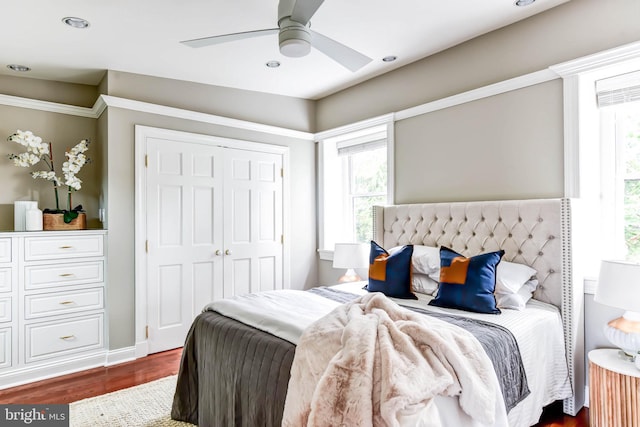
(390, 274)
(468, 283)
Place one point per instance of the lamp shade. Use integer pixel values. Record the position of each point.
(351, 255)
(619, 285)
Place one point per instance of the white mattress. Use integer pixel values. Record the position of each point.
(538, 331)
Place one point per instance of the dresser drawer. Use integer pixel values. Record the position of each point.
(68, 274)
(52, 339)
(5, 347)
(63, 302)
(62, 247)
(5, 309)
(5, 279)
(5, 249)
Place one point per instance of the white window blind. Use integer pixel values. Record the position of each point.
(618, 89)
(362, 143)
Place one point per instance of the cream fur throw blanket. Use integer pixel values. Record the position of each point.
(371, 362)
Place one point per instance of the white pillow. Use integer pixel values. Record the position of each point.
(425, 260)
(511, 276)
(519, 300)
(423, 284)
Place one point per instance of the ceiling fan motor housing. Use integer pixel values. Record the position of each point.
(294, 38)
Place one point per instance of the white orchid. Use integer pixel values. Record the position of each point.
(38, 151)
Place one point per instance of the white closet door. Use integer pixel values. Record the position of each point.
(185, 230)
(253, 222)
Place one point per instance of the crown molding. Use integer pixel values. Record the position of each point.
(146, 107)
(479, 93)
(52, 107)
(105, 101)
(598, 60)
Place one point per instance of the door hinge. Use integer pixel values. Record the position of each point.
(146, 332)
(282, 172)
(282, 239)
(146, 160)
(146, 246)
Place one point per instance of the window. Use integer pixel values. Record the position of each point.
(354, 176)
(618, 98)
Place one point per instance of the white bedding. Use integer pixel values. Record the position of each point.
(537, 329)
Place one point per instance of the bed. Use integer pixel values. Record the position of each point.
(234, 373)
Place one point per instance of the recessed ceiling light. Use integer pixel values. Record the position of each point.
(389, 58)
(524, 2)
(19, 68)
(75, 22)
(272, 64)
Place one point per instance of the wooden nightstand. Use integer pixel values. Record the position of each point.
(614, 390)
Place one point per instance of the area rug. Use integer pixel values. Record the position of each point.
(145, 405)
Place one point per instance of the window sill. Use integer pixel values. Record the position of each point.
(325, 254)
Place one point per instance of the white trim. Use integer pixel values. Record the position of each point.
(586, 396)
(105, 101)
(598, 60)
(52, 368)
(571, 137)
(142, 133)
(479, 93)
(52, 107)
(353, 127)
(120, 355)
(590, 285)
(325, 254)
(391, 163)
(180, 113)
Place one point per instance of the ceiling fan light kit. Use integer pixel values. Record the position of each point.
(295, 36)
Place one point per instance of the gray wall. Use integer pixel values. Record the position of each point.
(488, 149)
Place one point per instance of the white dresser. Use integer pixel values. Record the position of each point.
(52, 304)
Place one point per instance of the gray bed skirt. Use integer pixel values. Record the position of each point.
(231, 374)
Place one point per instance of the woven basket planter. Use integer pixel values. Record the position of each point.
(52, 222)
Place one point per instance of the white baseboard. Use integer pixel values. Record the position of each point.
(586, 396)
(51, 369)
(120, 355)
(142, 349)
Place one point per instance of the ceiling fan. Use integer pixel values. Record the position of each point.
(295, 36)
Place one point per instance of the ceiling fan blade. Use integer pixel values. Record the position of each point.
(208, 41)
(303, 10)
(345, 56)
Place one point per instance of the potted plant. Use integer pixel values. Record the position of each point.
(38, 151)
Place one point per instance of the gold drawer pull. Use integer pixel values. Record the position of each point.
(67, 302)
(66, 274)
(67, 337)
(66, 247)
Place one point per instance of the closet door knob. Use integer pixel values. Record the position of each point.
(218, 252)
(228, 252)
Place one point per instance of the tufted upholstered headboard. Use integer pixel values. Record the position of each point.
(537, 233)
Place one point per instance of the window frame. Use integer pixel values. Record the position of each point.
(324, 141)
(583, 166)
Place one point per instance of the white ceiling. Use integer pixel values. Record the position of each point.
(142, 36)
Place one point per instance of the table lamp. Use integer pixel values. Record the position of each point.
(619, 286)
(350, 256)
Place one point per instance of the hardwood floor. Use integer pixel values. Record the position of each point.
(94, 382)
